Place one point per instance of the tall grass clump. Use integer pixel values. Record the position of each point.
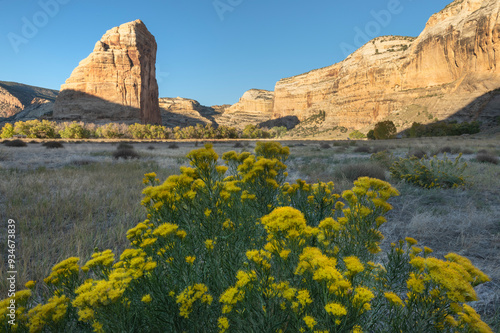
(235, 248)
(430, 173)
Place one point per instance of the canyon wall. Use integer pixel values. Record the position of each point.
(450, 70)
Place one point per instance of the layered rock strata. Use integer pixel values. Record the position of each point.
(451, 70)
(116, 82)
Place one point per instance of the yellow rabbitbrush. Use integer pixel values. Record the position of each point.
(229, 246)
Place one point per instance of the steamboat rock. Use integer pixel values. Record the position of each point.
(116, 82)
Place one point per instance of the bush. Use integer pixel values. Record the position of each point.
(383, 158)
(235, 248)
(53, 145)
(442, 128)
(112, 131)
(15, 143)
(433, 173)
(124, 145)
(125, 154)
(354, 171)
(357, 135)
(363, 149)
(384, 130)
(7, 131)
(36, 129)
(324, 145)
(487, 158)
(370, 135)
(418, 153)
(173, 146)
(74, 130)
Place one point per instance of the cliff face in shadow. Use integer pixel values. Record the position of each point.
(445, 71)
(16, 97)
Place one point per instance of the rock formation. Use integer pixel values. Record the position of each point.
(184, 112)
(451, 70)
(254, 100)
(16, 97)
(116, 82)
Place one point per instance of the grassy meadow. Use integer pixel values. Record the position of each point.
(73, 200)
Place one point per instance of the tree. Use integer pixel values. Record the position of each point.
(384, 130)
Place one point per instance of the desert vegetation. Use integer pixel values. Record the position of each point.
(457, 220)
(45, 129)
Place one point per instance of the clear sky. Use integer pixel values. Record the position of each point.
(211, 51)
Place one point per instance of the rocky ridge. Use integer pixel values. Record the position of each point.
(16, 97)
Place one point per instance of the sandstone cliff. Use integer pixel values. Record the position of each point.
(254, 100)
(16, 97)
(116, 82)
(451, 70)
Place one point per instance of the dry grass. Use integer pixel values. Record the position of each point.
(70, 212)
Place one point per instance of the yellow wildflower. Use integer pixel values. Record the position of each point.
(146, 298)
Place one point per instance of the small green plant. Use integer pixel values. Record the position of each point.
(357, 135)
(432, 173)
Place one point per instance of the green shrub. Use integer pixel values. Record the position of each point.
(384, 130)
(432, 173)
(74, 130)
(357, 135)
(125, 153)
(235, 248)
(370, 135)
(111, 131)
(442, 128)
(36, 129)
(383, 158)
(7, 131)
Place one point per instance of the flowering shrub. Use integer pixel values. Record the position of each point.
(433, 173)
(233, 247)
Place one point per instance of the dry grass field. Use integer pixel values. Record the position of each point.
(69, 201)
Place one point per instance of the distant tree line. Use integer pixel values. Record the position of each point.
(45, 129)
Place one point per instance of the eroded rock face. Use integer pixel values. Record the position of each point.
(450, 70)
(116, 82)
(254, 100)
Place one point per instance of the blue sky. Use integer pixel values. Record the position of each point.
(208, 50)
